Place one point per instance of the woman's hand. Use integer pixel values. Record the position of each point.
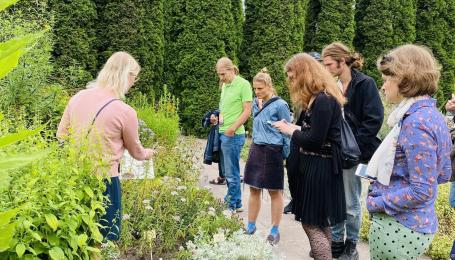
(284, 127)
(150, 153)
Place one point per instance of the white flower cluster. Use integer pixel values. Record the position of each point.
(237, 246)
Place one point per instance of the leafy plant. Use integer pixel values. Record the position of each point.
(57, 202)
(28, 87)
(161, 118)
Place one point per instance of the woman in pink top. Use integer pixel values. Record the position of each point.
(98, 112)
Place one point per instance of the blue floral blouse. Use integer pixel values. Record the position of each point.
(421, 163)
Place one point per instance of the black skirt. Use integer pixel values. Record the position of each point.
(264, 167)
(318, 192)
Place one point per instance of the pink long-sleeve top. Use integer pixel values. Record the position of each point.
(117, 124)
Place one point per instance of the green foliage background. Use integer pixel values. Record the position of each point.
(135, 27)
(178, 43)
(198, 33)
(435, 28)
(273, 33)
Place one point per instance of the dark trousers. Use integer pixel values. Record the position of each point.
(112, 220)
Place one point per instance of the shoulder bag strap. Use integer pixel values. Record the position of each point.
(99, 111)
(266, 104)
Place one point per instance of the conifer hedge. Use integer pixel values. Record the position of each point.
(313, 8)
(436, 29)
(74, 41)
(273, 33)
(335, 22)
(374, 32)
(198, 33)
(135, 27)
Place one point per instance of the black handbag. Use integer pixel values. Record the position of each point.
(350, 151)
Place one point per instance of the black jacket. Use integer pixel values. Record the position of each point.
(364, 112)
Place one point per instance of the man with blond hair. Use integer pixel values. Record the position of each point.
(235, 109)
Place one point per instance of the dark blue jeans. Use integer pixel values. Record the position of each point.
(112, 220)
(230, 163)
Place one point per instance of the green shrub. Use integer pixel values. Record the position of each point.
(28, 87)
(174, 209)
(58, 201)
(161, 117)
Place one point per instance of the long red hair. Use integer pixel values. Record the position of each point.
(310, 78)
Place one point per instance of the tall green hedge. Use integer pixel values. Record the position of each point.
(313, 8)
(239, 20)
(374, 33)
(273, 33)
(331, 21)
(197, 34)
(436, 29)
(75, 35)
(135, 27)
(404, 21)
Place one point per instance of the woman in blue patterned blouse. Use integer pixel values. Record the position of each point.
(412, 160)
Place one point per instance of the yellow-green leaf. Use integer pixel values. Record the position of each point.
(12, 138)
(16, 161)
(7, 232)
(52, 221)
(35, 236)
(19, 43)
(81, 240)
(20, 250)
(5, 3)
(57, 253)
(6, 216)
(89, 191)
(9, 62)
(93, 249)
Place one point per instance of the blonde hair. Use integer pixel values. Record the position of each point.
(415, 68)
(264, 77)
(310, 79)
(338, 51)
(116, 72)
(227, 63)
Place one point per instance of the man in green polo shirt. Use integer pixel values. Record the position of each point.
(235, 108)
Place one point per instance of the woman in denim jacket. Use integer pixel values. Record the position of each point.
(264, 167)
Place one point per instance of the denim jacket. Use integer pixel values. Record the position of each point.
(212, 149)
(263, 132)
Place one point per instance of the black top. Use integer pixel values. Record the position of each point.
(321, 125)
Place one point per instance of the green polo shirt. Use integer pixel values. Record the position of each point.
(233, 95)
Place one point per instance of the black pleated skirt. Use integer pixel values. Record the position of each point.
(318, 192)
(264, 167)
